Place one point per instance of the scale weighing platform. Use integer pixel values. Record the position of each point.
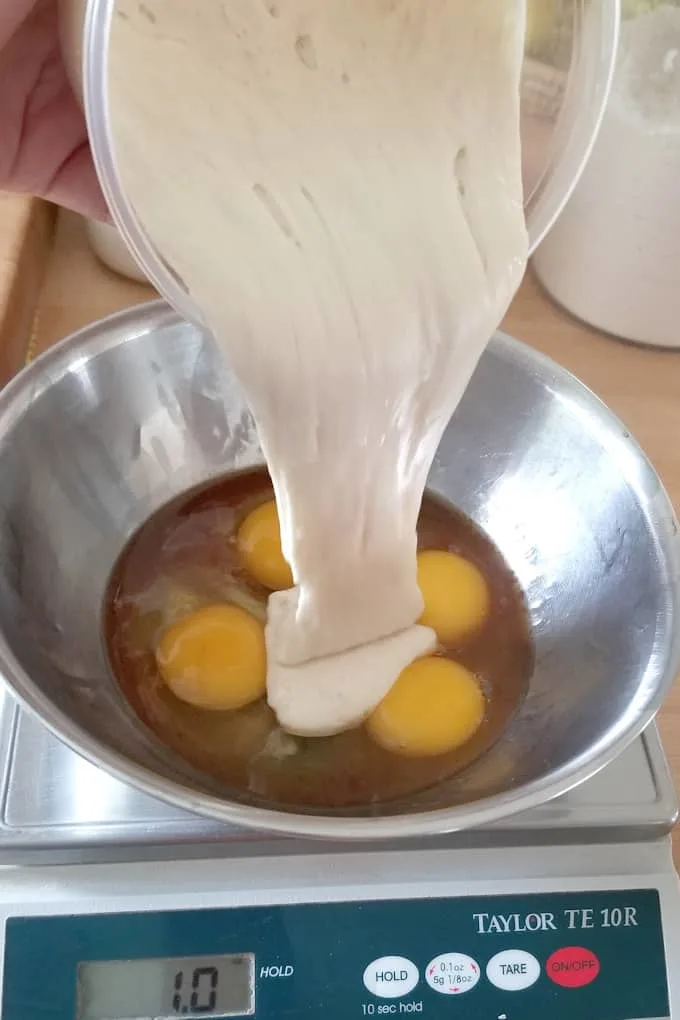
(117, 907)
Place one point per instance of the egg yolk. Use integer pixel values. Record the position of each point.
(455, 593)
(259, 543)
(435, 706)
(214, 658)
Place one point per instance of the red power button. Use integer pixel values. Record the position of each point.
(573, 967)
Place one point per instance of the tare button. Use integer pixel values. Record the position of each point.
(390, 977)
(452, 973)
(513, 970)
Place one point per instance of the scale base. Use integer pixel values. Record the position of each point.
(600, 854)
(323, 929)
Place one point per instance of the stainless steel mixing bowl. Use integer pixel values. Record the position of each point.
(106, 427)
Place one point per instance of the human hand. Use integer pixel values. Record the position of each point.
(44, 149)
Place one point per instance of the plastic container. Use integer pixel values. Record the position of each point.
(613, 258)
(571, 51)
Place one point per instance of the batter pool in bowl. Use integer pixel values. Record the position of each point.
(183, 625)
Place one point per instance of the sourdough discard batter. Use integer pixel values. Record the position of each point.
(338, 184)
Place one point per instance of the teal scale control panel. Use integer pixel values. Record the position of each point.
(571, 956)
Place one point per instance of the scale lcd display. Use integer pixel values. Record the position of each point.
(190, 987)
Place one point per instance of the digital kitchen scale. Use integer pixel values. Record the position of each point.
(118, 907)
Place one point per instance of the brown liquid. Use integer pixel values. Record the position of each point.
(185, 556)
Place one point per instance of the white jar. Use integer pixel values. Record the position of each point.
(613, 257)
(110, 248)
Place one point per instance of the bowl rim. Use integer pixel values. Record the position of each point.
(141, 320)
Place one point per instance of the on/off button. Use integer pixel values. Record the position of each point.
(573, 967)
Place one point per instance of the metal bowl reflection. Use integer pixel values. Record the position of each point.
(118, 419)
